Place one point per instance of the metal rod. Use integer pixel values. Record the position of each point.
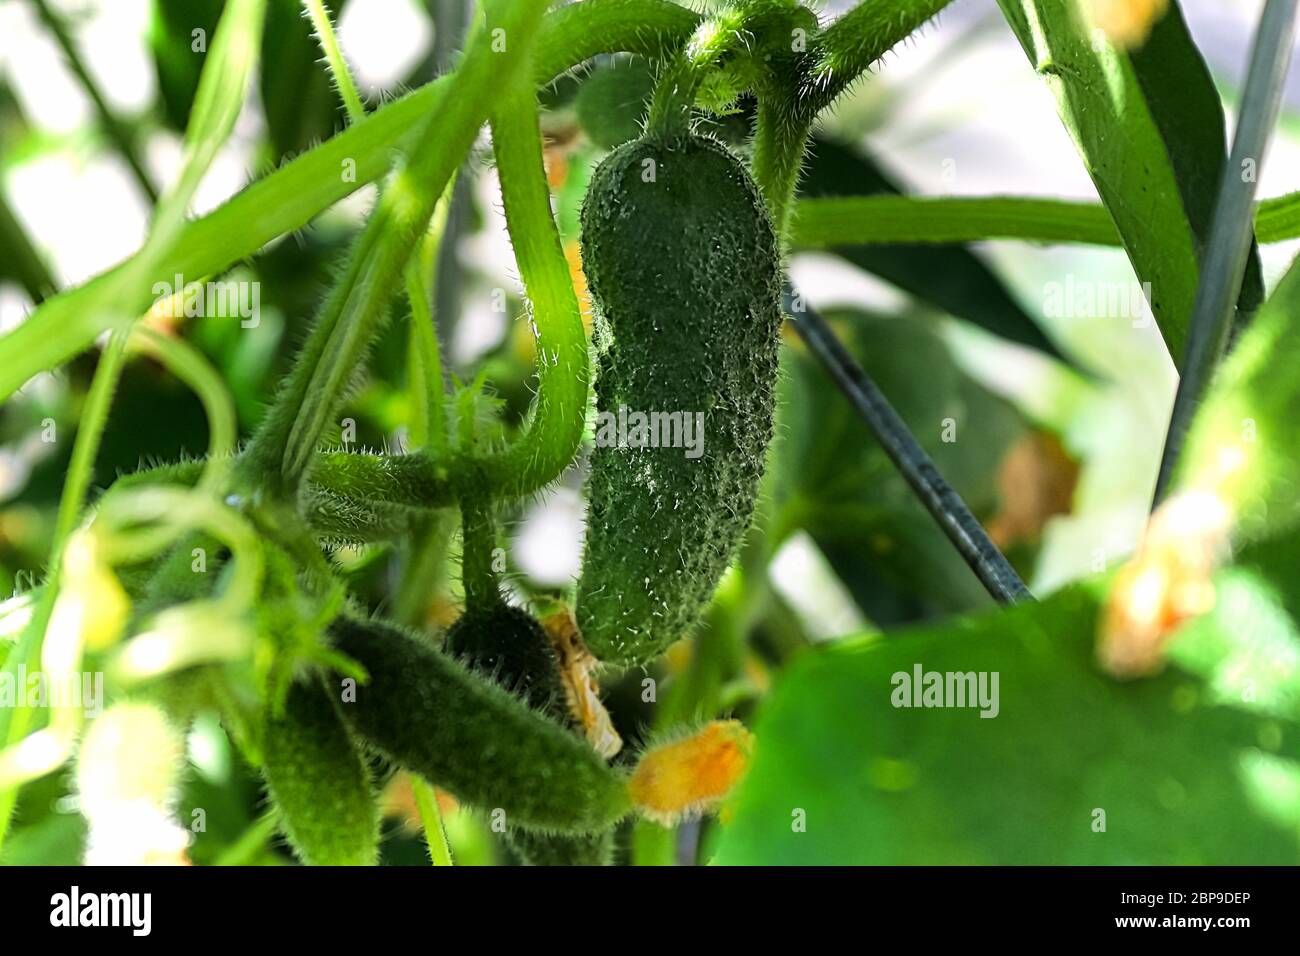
(918, 470)
(1232, 228)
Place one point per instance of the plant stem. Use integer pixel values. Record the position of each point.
(779, 143)
(849, 46)
(85, 448)
(249, 843)
(427, 385)
(1230, 231)
(281, 451)
(479, 539)
(288, 198)
(552, 436)
(112, 126)
(916, 467)
(435, 835)
(674, 94)
(338, 66)
(868, 220)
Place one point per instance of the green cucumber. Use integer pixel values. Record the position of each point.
(539, 849)
(506, 644)
(685, 274)
(319, 782)
(428, 712)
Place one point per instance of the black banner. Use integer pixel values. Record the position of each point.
(299, 904)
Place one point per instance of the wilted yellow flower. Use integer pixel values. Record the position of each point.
(1127, 23)
(577, 672)
(1167, 583)
(688, 776)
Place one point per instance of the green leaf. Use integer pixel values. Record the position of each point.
(1243, 441)
(1149, 128)
(950, 277)
(612, 102)
(1185, 105)
(1175, 772)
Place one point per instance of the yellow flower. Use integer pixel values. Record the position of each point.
(686, 777)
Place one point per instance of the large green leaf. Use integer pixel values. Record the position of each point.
(950, 277)
(1181, 777)
(1150, 130)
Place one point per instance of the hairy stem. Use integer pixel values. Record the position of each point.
(435, 836)
(552, 435)
(281, 451)
(867, 220)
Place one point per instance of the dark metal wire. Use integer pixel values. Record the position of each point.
(1232, 228)
(918, 470)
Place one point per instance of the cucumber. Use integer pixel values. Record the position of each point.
(319, 783)
(539, 849)
(685, 274)
(506, 644)
(509, 646)
(428, 712)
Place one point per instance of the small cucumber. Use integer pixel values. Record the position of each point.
(506, 644)
(319, 782)
(540, 849)
(685, 274)
(431, 714)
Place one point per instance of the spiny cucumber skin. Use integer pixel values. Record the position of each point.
(319, 782)
(685, 277)
(508, 645)
(540, 849)
(428, 712)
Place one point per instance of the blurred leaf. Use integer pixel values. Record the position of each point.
(298, 99)
(57, 840)
(1170, 768)
(612, 101)
(177, 28)
(831, 478)
(1243, 442)
(1185, 105)
(1128, 116)
(952, 278)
